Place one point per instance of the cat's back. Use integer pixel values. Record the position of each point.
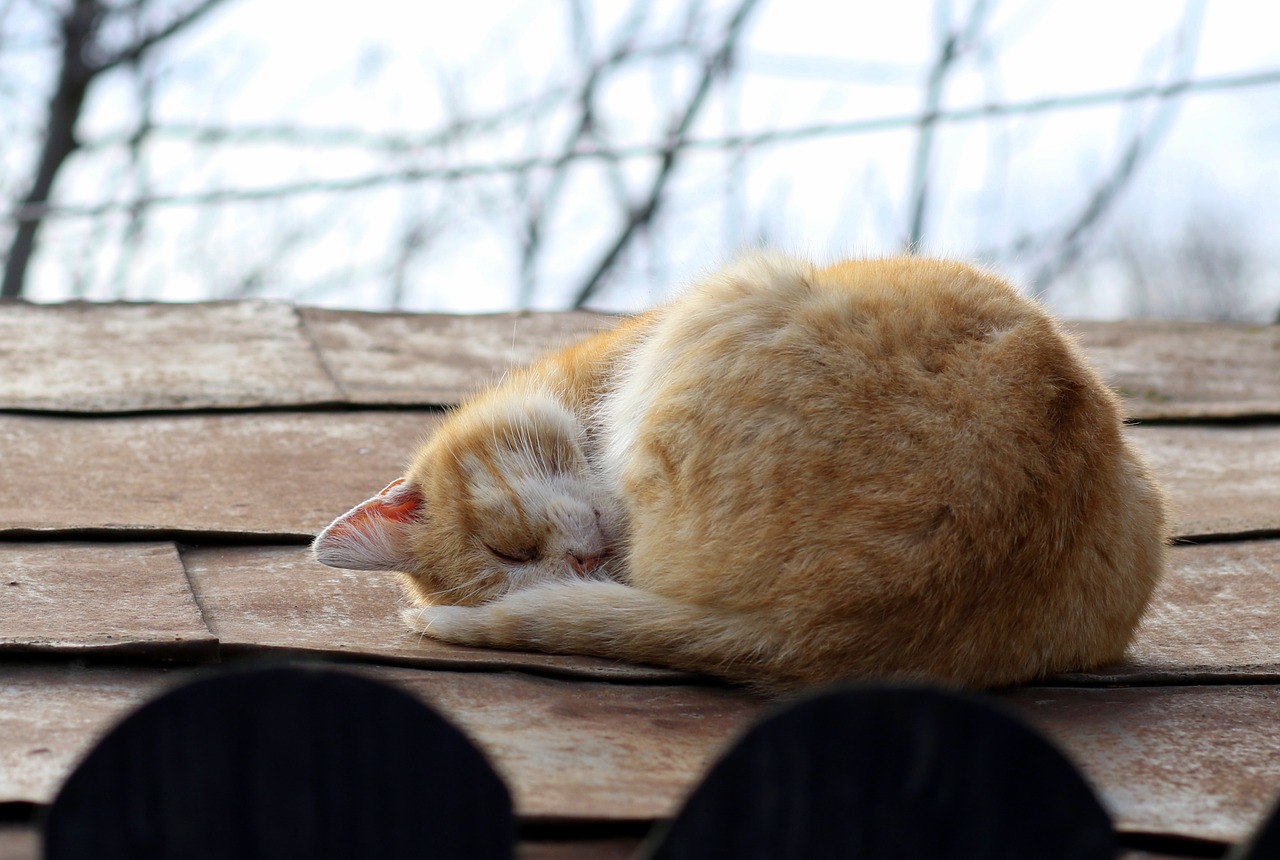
(867, 437)
(869, 365)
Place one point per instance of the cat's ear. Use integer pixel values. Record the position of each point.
(375, 534)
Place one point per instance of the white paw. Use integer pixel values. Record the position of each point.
(460, 624)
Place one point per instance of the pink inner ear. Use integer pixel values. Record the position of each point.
(397, 501)
(372, 535)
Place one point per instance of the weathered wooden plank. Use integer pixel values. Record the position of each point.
(127, 357)
(289, 474)
(22, 842)
(279, 598)
(1222, 480)
(19, 842)
(130, 357)
(1188, 369)
(50, 716)
(576, 750)
(569, 750)
(1213, 619)
(1194, 762)
(587, 849)
(1197, 762)
(1162, 369)
(427, 359)
(272, 475)
(82, 598)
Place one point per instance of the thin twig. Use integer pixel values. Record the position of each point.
(586, 126)
(133, 51)
(640, 216)
(952, 46)
(1142, 142)
(1267, 77)
(81, 26)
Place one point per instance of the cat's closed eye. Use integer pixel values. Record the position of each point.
(518, 555)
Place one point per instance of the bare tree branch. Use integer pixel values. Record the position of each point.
(135, 229)
(78, 28)
(643, 214)
(36, 210)
(952, 45)
(1071, 242)
(587, 125)
(80, 25)
(133, 51)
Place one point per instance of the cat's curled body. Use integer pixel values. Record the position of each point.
(788, 476)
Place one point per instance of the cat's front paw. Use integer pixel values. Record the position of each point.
(462, 625)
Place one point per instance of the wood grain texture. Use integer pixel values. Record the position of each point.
(1221, 480)
(1197, 762)
(1215, 618)
(576, 750)
(569, 750)
(51, 715)
(1194, 762)
(436, 359)
(122, 357)
(278, 598)
(82, 357)
(585, 849)
(126, 599)
(1188, 369)
(274, 475)
(289, 474)
(21, 842)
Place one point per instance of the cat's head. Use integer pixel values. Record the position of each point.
(502, 497)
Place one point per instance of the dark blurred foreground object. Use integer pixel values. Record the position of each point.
(884, 772)
(1265, 844)
(280, 764)
(311, 763)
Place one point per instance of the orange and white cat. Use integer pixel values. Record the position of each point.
(789, 475)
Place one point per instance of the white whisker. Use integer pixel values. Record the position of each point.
(475, 580)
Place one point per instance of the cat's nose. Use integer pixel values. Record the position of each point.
(585, 564)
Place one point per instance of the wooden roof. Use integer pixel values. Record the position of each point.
(164, 466)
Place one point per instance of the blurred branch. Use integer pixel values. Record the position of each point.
(359, 138)
(953, 45)
(135, 228)
(643, 214)
(1070, 244)
(80, 26)
(134, 51)
(587, 125)
(339, 137)
(35, 210)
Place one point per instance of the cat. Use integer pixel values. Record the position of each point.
(785, 477)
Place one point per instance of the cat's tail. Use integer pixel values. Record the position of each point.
(609, 619)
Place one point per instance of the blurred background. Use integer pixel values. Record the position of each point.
(1118, 158)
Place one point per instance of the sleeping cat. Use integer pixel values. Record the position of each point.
(787, 476)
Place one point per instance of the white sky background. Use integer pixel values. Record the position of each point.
(273, 62)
